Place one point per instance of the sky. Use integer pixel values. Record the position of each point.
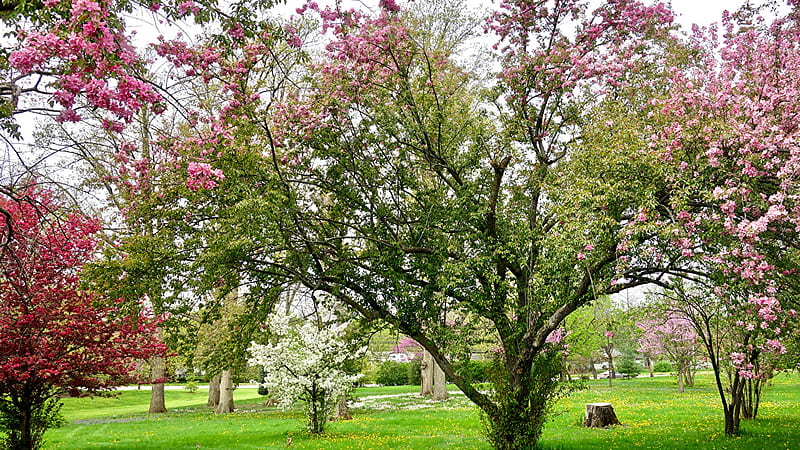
(702, 12)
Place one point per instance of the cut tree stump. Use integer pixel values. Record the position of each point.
(600, 415)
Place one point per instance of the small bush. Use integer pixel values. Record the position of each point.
(262, 390)
(392, 373)
(629, 368)
(662, 366)
(473, 371)
(413, 374)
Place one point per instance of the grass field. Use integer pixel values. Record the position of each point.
(654, 415)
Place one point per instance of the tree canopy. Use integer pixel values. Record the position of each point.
(360, 154)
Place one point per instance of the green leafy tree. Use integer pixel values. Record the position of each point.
(392, 183)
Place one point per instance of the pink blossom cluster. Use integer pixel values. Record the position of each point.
(607, 45)
(93, 58)
(202, 175)
(557, 336)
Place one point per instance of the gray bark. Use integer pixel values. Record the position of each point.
(213, 391)
(426, 374)
(158, 372)
(342, 411)
(225, 393)
(439, 383)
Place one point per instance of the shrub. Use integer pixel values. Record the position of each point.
(392, 373)
(662, 366)
(629, 368)
(262, 388)
(473, 371)
(413, 373)
(191, 386)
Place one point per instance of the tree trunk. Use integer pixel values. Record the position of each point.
(600, 415)
(439, 383)
(611, 372)
(342, 411)
(426, 374)
(650, 366)
(751, 398)
(26, 440)
(158, 374)
(680, 380)
(213, 391)
(225, 393)
(594, 369)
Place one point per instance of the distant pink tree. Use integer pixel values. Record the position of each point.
(673, 337)
(408, 345)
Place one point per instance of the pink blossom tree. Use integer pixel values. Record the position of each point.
(674, 338)
(726, 128)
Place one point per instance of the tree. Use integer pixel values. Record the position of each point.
(583, 340)
(392, 185)
(57, 338)
(674, 337)
(742, 357)
(307, 363)
(727, 128)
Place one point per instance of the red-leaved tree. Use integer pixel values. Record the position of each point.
(57, 338)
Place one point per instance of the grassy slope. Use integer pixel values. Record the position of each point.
(654, 415)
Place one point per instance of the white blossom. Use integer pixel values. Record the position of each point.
(306, 363)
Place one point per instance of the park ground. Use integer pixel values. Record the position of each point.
(654, 415)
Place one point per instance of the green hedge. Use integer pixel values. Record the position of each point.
(474, 371)
(662, 366)
(391, 373)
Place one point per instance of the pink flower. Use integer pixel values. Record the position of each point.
(236, 32)
(188, 7)
(589, 247)
(81, 6)
(609, 334)
(581, 256)
(389, 5)
(202, 175)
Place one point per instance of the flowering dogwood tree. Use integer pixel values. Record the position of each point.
(57, 338)
(306, 362)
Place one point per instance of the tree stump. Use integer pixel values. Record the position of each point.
(600, 415)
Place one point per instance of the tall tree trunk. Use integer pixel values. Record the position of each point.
(650, 366)
(426, 374)
(751, 398)
(213, 391)
(439, 383)
(611, 372)
(158, 374)
(225, 393)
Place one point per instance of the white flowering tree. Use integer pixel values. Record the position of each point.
(306, 363)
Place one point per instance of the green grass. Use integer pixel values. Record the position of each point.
(654, 415)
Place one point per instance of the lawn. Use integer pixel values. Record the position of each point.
(654, 415)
